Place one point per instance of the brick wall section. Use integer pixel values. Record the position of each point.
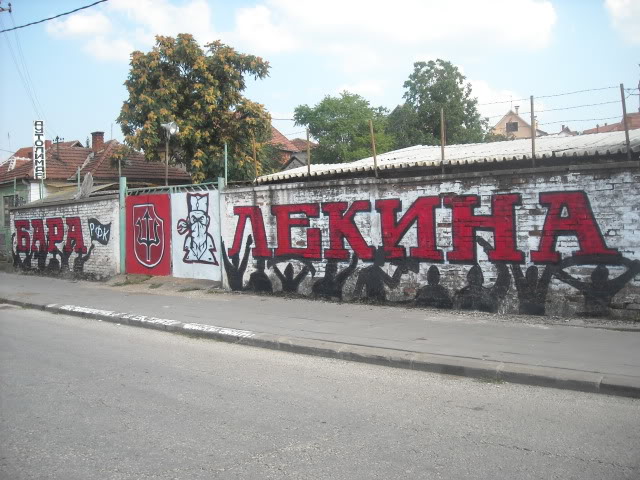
(612, 192)
(104, 260)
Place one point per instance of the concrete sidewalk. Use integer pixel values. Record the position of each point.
(597, 357)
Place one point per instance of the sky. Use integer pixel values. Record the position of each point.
(70, 71)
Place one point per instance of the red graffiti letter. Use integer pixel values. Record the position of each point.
(55, 232)
(342, 226)
(257, 226)
(75, 240)
(579, 221)
(38, 235)
(423, 212)
(284, 224)
(501, 222)
(22, 235)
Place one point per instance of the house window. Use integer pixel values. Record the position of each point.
(512, 127)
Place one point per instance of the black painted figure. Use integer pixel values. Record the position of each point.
(600, 291)
(26, 263)
(373, 278)
(290, 283)
(17, 261)
(41, 257)
(54, 263)
(64, 256)
(235, 273)
(433, 294)
(475, 296)
(258, 280)
(80, 260)
(330, 286)
(532, 289)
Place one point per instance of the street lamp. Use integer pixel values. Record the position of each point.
(171, 128)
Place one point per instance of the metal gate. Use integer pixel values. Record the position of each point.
(172, 230)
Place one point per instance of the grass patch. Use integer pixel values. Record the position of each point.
(155, 285)
(189, 289)
(132, 280)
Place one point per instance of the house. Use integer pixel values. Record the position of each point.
(293, 153)
(513, 126)
(633, 122)
(284, 146)
(64, 160)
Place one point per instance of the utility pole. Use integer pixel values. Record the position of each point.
(308, 156)
(5, 9)
(442, 139)
(533, 135)
(624, 121)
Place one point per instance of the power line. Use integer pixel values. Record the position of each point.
(548, 96)
(25, 79)
(503, 101)
(561, 108)
(581, 120)
(283, 119)
(577, 91)
(576, 106)
(52, 18)
(30, 82)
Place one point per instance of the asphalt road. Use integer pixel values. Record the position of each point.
(82, 399)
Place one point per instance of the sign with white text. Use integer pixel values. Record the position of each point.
(39, 156)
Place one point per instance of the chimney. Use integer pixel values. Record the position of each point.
(97, 141)
(517, 107)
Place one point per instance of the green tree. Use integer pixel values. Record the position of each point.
(404, 127)
(439, 84)
(201, 90)
(341, 127)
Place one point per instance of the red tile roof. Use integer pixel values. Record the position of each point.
(134, 167)
(633, 122)
(301, 144)
(280, 141)
(64, 159)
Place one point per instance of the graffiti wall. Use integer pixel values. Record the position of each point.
(195, 236)
(80, 238)
(148, 234)
(551, 243)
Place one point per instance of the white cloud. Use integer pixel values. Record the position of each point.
(159, 17)
(123, 26)
(357, 36)
(81, 24)
(256, 30)
(412, 22)
(108, 49)
(625, 15)
(488, 98)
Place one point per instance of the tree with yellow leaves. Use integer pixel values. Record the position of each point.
(201, 90)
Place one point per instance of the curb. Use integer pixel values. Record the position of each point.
(487, 370)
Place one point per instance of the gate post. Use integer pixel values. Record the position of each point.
(222, 185)
(123, 223)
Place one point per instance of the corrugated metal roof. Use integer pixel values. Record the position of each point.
(550, 146)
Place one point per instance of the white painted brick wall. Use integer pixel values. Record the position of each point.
(613, 194)
(105, 259)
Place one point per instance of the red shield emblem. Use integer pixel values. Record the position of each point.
(148, 231)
